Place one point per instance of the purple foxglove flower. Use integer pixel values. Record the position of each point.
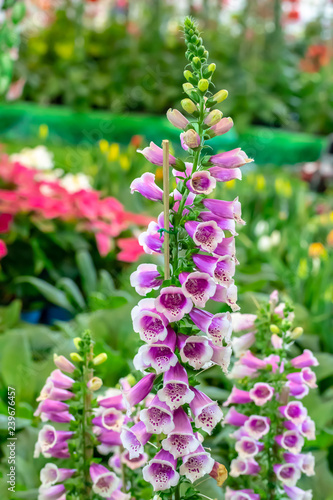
(248, 447)
(139, 391)
(244, 466)
(221, 268)
(110, 419)
(50, 391)
(172, 303)
(223, 126)
(151, 240)
(51, 493)
(241, 494)
(241, 371)
(230, 159)
(304, 360)
(295, 493)
(177, 118)
(188, 203)
(146, 186)
(158, 417)
(298, 391)
(305, 376)
(194, 350)
(134, 463)
(227, 295)
(291, 441)
(225, 174)
(227, 247)
(190, 139)
(241, 344)
(206, 235)
(238, 396)
(241, 322)
(159, 356)
(257, 426)
(119, 495)
(104, 481)
(276, 341)
(60, 380)
(289, 474)
(201, 183)
(195, 465)
(49, 406)
(134, 439)
(161, 471)
(199, 287)
(109, 438)
(176, 391)
(250, 360)
(216, 326)
(115, 462)
(225, 209)
(235, 418)
(261, 393)
(145, 279)
(115, 400)
(181, 440)
(308, 429)
(49, 437)
(221, 356)
(63, 417)
(154, 154)
(224, 224)
(51, 474)
(294, 411)
(148, 323)
(304, 461)
(207, 413)
(63, 363)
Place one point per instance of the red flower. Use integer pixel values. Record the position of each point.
(130, 249)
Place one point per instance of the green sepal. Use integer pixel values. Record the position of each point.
(180, 165)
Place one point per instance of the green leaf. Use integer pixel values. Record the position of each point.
(325, 368)
(50, 292)
(10, 315)
(73, 292)
(87, 271)
(106, 283)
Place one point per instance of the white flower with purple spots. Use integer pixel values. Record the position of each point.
(181, 440)
(161, 471)
(206, 235)
(175, 391)
(173, 304)
(199, 287)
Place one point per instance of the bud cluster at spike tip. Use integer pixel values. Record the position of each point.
(270, 423)
(66, 427)
(179, 336)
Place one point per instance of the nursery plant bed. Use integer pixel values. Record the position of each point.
(267, 145)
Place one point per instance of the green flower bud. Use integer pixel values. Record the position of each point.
(213, 118)
(100, 358)
(274, 329)
(196, 61)
(220, 96)
(187, 87)
(188, 74)
(296, 333)
(203, 85)
(212, 67)
(188, 106)
(76, 357)
(76, 342)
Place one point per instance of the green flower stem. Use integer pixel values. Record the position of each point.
(87, 444)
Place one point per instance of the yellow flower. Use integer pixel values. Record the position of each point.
(124, 162)
(113, 152)
(230, 184)
(260, 183)
(43, 131)
(103, 145)
(317, 250)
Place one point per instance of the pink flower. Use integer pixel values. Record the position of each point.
(51, 474)
(238, 396)
(175, 391)
(3, 249)
(230, 159)
(181, 440)
(177, 118)
(257, 426)
(104, 481)
(288, 473)
(261, 393)
(248, 447)
(304, 360)
(154, 154)
(235, 418)
(173, 303)
(139, 391)
(225, 209)
(145, 279)
(194, 350)
(5, 222)
(199, 287)
(216, 326)
(146, 186)
(225, 174)
(207, 413)
(161, 471)
(291, 441)
(206, 235)
(295, 493)
(244, 466)
(294, 411)
(190, 139)
(195, 465)
(241, 344)
(157, 417)
(134, 438)
(241, 494)
(150, 324)
(223, 126)
(130, 249)
(201, 182)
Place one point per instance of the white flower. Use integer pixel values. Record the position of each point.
(39, 158)
(261, 227)
(75, 182)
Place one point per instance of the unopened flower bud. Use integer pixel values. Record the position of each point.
(100, 358)
(203, 85)
(76, 357)
(220, 96)
(188, 106)
(95, 383)
(187, 87)
(177, 119)
(213, 118)
(212, 67)
(188, 74)
(296, 333)
(131, 380)
(274, 329)
(76, 342)
(191, 139)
